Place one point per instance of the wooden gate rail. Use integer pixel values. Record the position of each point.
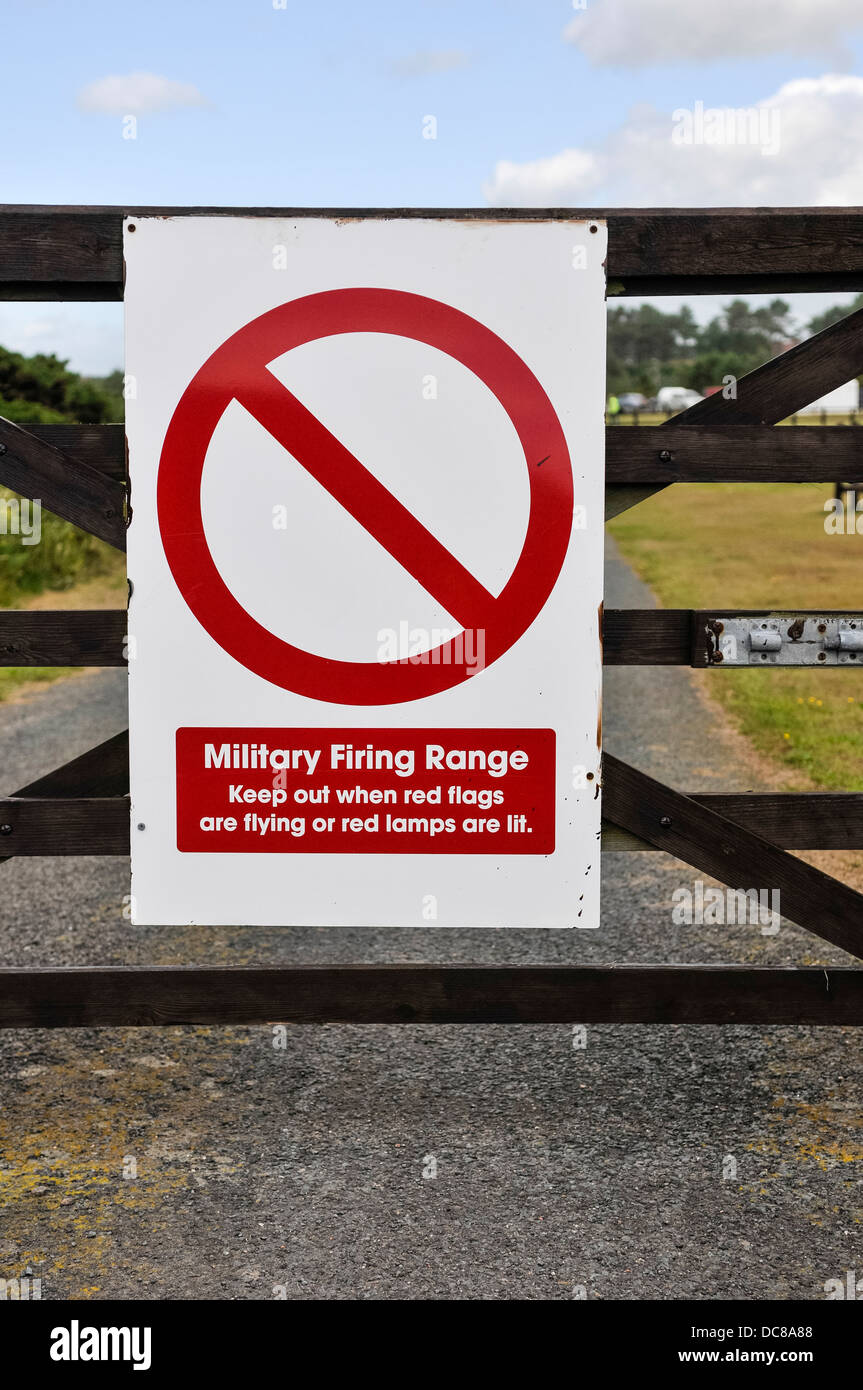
(79, 472)
(80, 823)
(92, 791)
(110, 997)
(631, 636)
(732, 454)
(63, 638)
(60, 253)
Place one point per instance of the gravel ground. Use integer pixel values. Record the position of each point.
(422, 1162)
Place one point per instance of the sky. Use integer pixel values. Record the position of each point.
(534, 103)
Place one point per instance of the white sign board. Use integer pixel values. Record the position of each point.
(366, 464)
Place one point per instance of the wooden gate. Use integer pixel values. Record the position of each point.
(78, 472)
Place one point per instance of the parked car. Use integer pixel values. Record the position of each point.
(632, 401)
(673, 398)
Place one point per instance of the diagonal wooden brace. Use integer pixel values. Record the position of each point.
(70, 489)
(724, 849)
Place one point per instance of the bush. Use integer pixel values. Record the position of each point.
(63, 557)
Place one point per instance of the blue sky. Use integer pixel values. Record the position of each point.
(323, 105)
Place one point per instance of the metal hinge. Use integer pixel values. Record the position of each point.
(784, 639)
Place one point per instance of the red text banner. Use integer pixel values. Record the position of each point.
(366, 791)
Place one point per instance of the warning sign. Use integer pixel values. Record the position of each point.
(365, 554)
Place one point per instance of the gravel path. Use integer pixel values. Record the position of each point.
(664, 1162)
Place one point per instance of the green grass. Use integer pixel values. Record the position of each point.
(13, 679)
(754, 545)
(63, 557)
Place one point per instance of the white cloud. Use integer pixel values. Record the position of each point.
(816, 125)
(88, 336)
(636, 33)
(429, 61)
(137, 92)
(539, 183)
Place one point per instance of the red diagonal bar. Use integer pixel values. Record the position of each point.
(299, 431)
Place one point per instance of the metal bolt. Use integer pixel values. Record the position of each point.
(3, 449)
(665, 821)
(142, 826)
(5, 830)
(665, 456)
(718, 656)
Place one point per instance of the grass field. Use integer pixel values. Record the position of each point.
(739, 545)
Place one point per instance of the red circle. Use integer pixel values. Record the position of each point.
(244, 357)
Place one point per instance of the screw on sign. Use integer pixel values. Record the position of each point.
(238, 371)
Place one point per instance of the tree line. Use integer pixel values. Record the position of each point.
(42, 390)
(649, 348)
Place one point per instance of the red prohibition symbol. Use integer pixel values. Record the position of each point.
(238, 371)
